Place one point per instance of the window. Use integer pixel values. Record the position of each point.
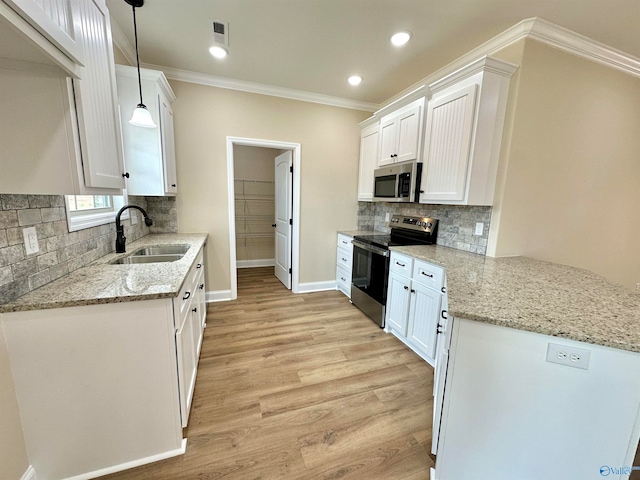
(85, 211)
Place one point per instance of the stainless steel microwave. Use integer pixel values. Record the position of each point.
(397, 183)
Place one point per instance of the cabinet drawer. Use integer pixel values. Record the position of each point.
(344, 242)
(401, 264)
(344, 259)
(429, 275)
(343, 280)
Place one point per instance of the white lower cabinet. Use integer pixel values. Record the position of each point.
(414, 299)
(106, 387)
(343, 264)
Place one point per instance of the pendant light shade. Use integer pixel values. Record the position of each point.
(141, 116)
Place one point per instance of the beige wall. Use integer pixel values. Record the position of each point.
(13, 453)
(571, 193)
(254, 163)
(329, 138)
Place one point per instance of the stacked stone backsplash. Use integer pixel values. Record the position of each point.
(456, 223)
(164, 214)
(61, 251)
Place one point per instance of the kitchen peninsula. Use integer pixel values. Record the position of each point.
(540, 369)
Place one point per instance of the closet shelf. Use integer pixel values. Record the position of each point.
(254, 235)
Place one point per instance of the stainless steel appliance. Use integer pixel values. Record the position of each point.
(397, 183)
(370, 264)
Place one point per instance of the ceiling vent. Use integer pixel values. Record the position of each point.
(221, 33)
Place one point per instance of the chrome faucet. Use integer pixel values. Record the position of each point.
(120, 238)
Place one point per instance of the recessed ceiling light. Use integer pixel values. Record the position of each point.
(218, 51)
(354, 80)
(400, 38)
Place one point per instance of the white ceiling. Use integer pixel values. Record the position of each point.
(314, 45)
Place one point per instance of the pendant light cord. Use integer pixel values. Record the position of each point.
(135, 34)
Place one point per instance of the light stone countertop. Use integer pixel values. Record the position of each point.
(100, 282)
(353, 233)
(537, 296)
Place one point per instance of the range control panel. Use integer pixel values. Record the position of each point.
(423, 224)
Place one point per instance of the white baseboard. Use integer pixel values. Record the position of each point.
(218, 296)
(316, 286)
(264, 262)
(432, 474)
(133, 464)
(30, 474)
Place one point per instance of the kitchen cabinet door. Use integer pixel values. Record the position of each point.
(448, 139)
(149, 153)
(408, 134)
(398, 300)
(187, 365)
(388, 140)
(423, 319)
(368, 162)
(54, 20)
(96, 100)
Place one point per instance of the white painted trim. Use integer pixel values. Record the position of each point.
(295, 240)
(542, 31)
(262, 89)
(218, 296)
(264, 262)
(30, 474)
(133, 464)
(123, 44)
(317, 286)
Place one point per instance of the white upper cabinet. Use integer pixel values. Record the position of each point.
(63, 136)
(368, 161)
(401, 134)
(40, 35)
(464, 125)
(149, 153)
(96, 99)
(54, 20)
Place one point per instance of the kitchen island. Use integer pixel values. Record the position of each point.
(539, 370)
(104, 361)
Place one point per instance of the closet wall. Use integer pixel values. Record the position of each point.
(254, 197)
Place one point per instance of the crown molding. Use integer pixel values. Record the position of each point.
(262, 89)
(484, 64)
(541, 31)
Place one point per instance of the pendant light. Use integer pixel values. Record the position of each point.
(141, 116)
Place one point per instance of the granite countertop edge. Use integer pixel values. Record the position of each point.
(101, 282)
(536, 296)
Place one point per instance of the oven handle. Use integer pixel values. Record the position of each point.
(370, 248)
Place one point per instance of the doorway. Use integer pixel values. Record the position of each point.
(258, 232)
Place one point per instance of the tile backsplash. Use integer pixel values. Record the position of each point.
(456, 226)
(61, 251)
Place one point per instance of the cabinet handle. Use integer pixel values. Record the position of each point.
(439, 330)
(421, 191)
(343, 279)
(443, 314)
(199, 265)
(345, 243)
(391, 155)
(343, 259)
(125, 175)
(186, 295)
(194, 310)
(426, 274)
(201, 286)
(401, 264)
(413, 291)
(406, 288)
(443, 289)
(173, 185)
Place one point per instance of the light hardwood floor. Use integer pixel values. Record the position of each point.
(301, 387)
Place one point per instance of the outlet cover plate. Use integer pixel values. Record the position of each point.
(30, 240)
(569, 356)
(479, 228)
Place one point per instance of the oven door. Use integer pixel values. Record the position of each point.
(370, 269)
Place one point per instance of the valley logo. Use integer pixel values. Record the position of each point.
(606, 470)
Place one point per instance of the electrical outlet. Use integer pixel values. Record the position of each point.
(133, 217)
(570, 356)
(479, 228)
(387, 217)
(30, 240)
(637, 287)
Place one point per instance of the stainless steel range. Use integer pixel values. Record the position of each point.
(370, 268)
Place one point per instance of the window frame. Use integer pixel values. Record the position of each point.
(79, 220)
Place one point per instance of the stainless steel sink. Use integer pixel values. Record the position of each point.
(135, 259)
(161, 250)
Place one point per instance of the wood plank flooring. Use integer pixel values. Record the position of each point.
(301, 387)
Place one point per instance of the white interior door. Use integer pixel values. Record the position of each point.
(284, 177)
